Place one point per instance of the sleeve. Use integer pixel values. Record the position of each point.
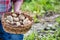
(17, 5)
(16, 0)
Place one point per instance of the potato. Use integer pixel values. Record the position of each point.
(14, 15)
(18, 23)
(12, 22)
(7, 21)
(16, 19)
(25, 21)
(29, 22)
(5, 18)
(21, 21)
(10, 18)
(21, 17)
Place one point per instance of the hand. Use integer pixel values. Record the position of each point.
(18, 11)
(17, 6)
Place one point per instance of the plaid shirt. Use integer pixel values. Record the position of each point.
(5, 5)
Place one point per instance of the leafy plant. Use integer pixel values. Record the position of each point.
(30, 37)
(40, 6)
(58, 20)
(48, 36)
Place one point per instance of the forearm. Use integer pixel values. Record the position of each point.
(17, 5)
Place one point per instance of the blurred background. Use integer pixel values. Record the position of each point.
(46, 16)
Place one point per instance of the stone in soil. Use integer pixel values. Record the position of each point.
(38, 27)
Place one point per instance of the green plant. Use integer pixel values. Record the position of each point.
(30, 37)
(40, 6)
(58, 20)
(35, 36)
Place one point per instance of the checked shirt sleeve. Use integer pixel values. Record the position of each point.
(4, 5)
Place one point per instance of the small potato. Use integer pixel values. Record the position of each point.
(21, 17)
(21, 22)
(16, 19)
(12, 22)
(25, 21)
(29, 22)
(10, 18)
(5, 18)
(14, 15)
(18, 23)
(7, 21)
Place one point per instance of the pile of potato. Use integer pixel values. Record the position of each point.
(17, 20)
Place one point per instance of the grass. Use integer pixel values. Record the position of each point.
(35, 36)
(40, 6)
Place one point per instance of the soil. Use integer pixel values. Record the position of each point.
(47, 23)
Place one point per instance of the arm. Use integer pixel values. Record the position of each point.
(17, 5)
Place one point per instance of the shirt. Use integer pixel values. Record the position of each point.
(5, 5)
